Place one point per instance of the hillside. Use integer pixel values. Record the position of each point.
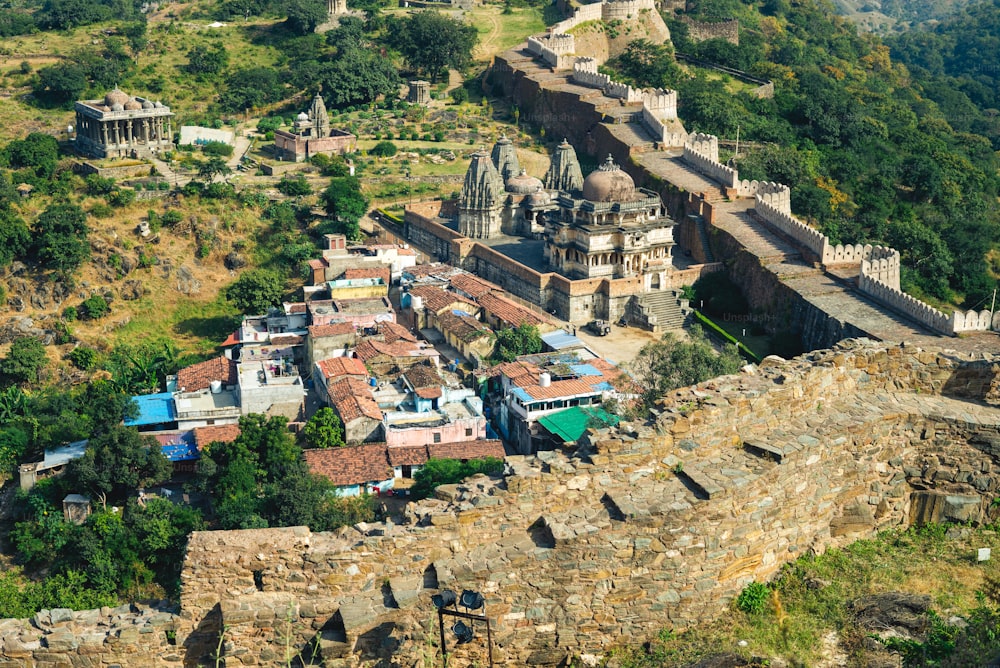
(871, 150)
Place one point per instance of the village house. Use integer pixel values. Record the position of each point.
(351, 398)
(427, 302)
(359, 312)
(329, 371)
(388, 360)
(338, 258)
(406, 460)
(434, 412)
(333, 340)
(470, 337)
(354, 470)
(365, 287)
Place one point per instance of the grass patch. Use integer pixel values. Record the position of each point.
(810, 598)
(722, 332)
(195, 325)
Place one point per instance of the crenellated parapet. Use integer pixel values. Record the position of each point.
(554, 49)
(623, 10)
(881, 264)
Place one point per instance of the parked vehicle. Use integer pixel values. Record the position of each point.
(599, 327)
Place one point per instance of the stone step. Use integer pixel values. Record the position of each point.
(700, 484)
(764, 451)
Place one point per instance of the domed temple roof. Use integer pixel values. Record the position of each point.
(483, 188)
(133, 105)
(116, 96)
(504, 157)
(522, 184)
(539, 198)
(608, 183)
(564, 171)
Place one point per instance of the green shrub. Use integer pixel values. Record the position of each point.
(449, 471)
(172, 217)
(753, 599)
(121, 197)
(70, 313)
(217, 148)
(83, 357)
(460, 95)
(94, 307)
(101, 210)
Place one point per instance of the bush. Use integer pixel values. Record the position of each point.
(94, 307)
(121, 197)
(217, 148)
(296, 186)
(70, 314)
(753, 599)
(83, 357)
(383, 149)
(101, 210)
(460, 95)
(449, 471)
(172, 217)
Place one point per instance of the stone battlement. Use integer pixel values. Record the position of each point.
(644, 527)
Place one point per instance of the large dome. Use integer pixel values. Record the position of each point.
(608, 183)
(522, 184)
(116, 96)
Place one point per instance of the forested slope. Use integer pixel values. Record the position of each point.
(874, 152)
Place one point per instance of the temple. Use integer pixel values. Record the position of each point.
(122, 126)
(311, 135)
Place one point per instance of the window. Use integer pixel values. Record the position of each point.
(437, 438)
(468, 431)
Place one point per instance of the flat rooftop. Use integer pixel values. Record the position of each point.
(205, 404)
(255, 375)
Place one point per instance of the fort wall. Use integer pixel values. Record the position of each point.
(699, 31)
(644, 529)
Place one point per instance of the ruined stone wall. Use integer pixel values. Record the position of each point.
(645, 527)
(699, 31)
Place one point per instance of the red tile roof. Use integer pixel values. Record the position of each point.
(473, 286)
(318, 264)
(437, 299)
(407, 455)
(351, 465)
(462, 325)
(466, 450)
(200, 376)
(369, 272)
(422, 375)
(509, 312)
(370, 349)
(333, 329)
(352, 399)
(224, 433)
(335, 367)
(393, 331)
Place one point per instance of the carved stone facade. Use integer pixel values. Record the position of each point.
(614, 230)
(122, 126)
(480, 205)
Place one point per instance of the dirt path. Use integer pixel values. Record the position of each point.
(486, 49)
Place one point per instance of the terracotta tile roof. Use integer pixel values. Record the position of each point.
(423, 270)
(466, 450)
(473, 286)
(369, 272)
(370, 349)
(563, 388)
(509, 312)
(287, 340)
(351, 465)
(519, 372)
(318, 264)
(462, 325)
(333, 329)
(393, 331)
(352, 399)
(336, 367)
(225, 433)
(407, 455)
(437, 299)
(422, 375)
(406, 251)
(200, 376)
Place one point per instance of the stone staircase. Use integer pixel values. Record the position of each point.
(699, 223)
(656, 311)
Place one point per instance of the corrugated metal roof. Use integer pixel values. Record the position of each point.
(153, 409)
(570, 424)
(560, 339)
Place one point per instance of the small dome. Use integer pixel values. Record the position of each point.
(117, 107)
(608, 183)
(133, 105)
(157, 105)
(302, 117)
(114, 97)
(538, 198)
(146, 104)
(522, 184)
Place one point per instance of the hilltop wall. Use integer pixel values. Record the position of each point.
(644, 528)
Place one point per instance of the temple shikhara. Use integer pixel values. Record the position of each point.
(123, 126)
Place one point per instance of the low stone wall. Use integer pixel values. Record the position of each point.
(120, 172)
(699, 31)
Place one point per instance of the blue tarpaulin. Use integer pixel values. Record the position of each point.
(153, 409)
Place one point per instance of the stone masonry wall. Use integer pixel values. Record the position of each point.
(644, 527)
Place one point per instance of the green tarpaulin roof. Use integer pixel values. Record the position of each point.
(570, 424)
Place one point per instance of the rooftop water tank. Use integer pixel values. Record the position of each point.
(416, 302)
(216, 386)
(544, 379)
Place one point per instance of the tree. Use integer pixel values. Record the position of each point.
(324, 430)
(431, 41)
(118, 462)
(296, 186)
(24, 361)
(383, 149)
(38, 152)
(671, 363)
(514, 341)
(304, 15)
(60, 83)
(344, 200)
(214, 166)
(61, 238)
(256, 291)
(250, 88)
(269, 439)
(15, 237)
(137, 37)
(355, 76)
(203, 60)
